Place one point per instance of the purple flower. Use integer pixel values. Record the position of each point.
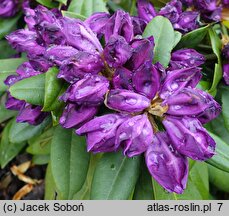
(186, 58)
(142, 52)
(97, 22)
(215, 15)
(187, 2)
(226, 73)
(24, 40)
(179, 79)
(117, 51)
(39, 63)
(225, 3)
(189, 137)
(187, 21)
(172, 11)
(74, 115)
(119, 24)
(226, 52)
(134, 135)
(166, 165)
(58, 54)
(146, 10)
(206, 5)
(13, 103)
(8, 8)
(138, 25)
(78, 66)
(100, 132)
(80, 36)
(122, 79)
(31, 114)
(126, 101)
(146, 80)
(89, 90)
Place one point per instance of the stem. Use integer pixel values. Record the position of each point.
(133, 3)
(205, 46)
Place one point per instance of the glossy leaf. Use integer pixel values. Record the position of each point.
(62, 1)
(50, 187)
(115, 177)
(9, 150)
(144, 187)
(8, 51)
(87, 7)
(177, 38)
(197, 187)
(48, 3)
(40, 159)
(21, 132)
(193, 38)
(73, 15)
(162, 31)
(221, 159)
(69, 162)
(54, 88)
(8, 25)
(216, 47)
(8, 67)
(32, 89)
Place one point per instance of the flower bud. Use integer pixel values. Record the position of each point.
(193, 102)
(97, 22)
(187, 21)
(31, 114)
(126, 101)
(80, 36)
(206, 5)
(226, 52)
(172, 11)
(74, 115)
(40, 63)
(89, 90)
(78, 66)
(59, 54)
(186, 58)
(226, 73)
(142, 52)
(166, 165)
(211, 16)
(122, 79)
(146, 80)
(189, 137)
(24, 40)
(119, 24)
(8, 8)
(134, 135)
(117, 51)
(178, 79)
(146, 10)
(100, 132)
(13, 103)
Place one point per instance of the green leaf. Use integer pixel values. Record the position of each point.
(41, 144)
(177, 38)
(216, 47)
(219, 178)
(162, 31)
(8, 150)
(193, 38)
(62, 1)
(115, 177)
(21, 132)
(221, 159)
(5, 114)
(32, 89)
(54, 88)
(225, 106)
(8, 25)
(69, 162)
(73, 15)
(50, 187)
(87, 7)
(144, 187)
(8, 67)
(48, 3)
(41, 159)
(8, 51)
(197, 187)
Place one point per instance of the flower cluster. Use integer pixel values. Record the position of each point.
(141, 107)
